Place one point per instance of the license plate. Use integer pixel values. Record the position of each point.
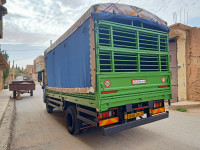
(133, 115)
(139, 81)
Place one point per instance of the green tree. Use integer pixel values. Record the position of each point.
(6, 72)
(17, 72)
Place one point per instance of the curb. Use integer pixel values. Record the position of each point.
(11, 126)
(1, 119)
(173, 107)
(7, 125)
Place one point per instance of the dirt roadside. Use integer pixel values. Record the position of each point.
(194, 110)
(191, 106)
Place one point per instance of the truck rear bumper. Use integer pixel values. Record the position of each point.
(125, 126)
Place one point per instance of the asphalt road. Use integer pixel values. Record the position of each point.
(36, 129)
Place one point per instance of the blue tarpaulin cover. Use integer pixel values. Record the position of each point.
(107, 10)
(68, 64)
(126, 19)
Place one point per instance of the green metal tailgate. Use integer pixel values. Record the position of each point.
(132, 64)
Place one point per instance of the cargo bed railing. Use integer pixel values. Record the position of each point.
(128, 48)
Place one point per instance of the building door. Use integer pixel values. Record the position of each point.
(174, 69)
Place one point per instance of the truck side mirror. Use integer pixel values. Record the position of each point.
(40, 76)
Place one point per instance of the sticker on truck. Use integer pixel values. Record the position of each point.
(139, 81)
(107, 83)
(163, 79)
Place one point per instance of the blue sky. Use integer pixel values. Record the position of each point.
(30, 24)
(195, 21)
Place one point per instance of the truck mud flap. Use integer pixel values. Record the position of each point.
(125, 126)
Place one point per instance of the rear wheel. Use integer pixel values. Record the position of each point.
(14, 94)
(31, 93)
(49, 108)
(73, 124)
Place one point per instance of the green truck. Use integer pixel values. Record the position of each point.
(110, 70)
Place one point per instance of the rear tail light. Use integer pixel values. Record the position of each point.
(107, 114)
(157, 104)
(104, 115)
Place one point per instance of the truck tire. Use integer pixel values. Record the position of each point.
(49, 108)
(31, 93)
(14, 94)
(73, 124)
(44, 99)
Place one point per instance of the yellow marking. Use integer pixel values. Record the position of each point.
(158, 110)
(108, 121)
(133, 115)
(150, 111)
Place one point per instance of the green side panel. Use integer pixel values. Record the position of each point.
(127, 54)
(77, 98)
(128, 93)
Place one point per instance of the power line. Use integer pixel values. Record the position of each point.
(26, 57)
(162, 6)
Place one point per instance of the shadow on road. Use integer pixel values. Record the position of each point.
(93, 137)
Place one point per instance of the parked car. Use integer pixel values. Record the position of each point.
(25, 78)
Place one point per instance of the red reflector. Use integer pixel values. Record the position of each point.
(141, 108)
(163, 86)
(106, 92)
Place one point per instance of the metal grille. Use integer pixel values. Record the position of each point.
(149, 62)
(164, 63)
(126, 48)
(148, 41)
(125, 62)
(105, 61)
(104, 36)
(124, 38)
(164, 43)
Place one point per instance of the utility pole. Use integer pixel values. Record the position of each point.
(13, 71)
(184, 15)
